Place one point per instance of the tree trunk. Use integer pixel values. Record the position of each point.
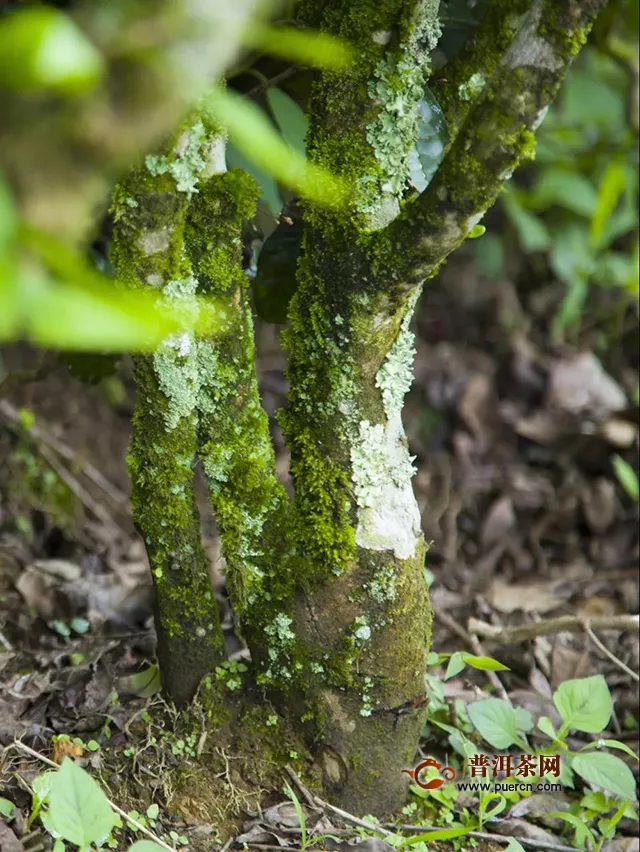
(328, 589)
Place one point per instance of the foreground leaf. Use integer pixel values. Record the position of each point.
(607, 771)
(78, 809)
(584, 704)
(254, 136)
(496, 721)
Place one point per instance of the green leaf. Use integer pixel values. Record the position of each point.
(275, 281)
(611, 744)
(456, 665)
(546, 726)
(90, 311)
(432, 138)
(627, 476)
(495, 720)
(571, 190)
(524, 720)
(7, 808)
(270, 193)
(607, 771)
(78, 809)
(289, 117)
(514, 846)
(609, 193)
(532, 232)
(485, 664)
(253, 135)
(490, 257)
(308, 48)
(582, 830)
(42, 48)
(438, 834)
(584, 704)
(144, 684)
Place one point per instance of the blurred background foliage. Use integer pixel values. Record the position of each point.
(573, 213)
(570, 218)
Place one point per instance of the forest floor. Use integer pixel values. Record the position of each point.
(527, 514)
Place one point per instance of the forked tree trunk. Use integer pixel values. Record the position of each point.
(328, 589)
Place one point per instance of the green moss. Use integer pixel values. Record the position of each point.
(564, 27)
(458, 87)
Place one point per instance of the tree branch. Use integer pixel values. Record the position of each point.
(497, 135)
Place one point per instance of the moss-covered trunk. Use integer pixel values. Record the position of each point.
(329, 590)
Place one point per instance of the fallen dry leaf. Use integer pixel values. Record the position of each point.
(580, 385)
(540, 596)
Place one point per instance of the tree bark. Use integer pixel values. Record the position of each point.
(330, 590)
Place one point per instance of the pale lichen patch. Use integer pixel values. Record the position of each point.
(388, 516)
(470, 89)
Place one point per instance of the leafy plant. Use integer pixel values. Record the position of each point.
(576, 207)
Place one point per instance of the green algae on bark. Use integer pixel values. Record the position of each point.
(149, 250)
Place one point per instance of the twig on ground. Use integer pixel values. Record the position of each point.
(306, 794)
(78, 489)
(5, 642)
(625, 668)
(118, 498)
(474, 645)
(20, 745)
(376, 827)
(570, 623)
(485, 835)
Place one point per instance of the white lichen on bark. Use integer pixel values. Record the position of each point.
(396, 89)
(388, 516)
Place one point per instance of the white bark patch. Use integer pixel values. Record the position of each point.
(388, 516)
(530, 48)
(151, 242)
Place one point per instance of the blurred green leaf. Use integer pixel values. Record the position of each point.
(144, 684)
(57, 299)
(7, 217)
(270, 194)
(275, 281)
(627, 477)
(306, 47)
(615, 269)
(571, 258)
(609, 193)
(570, 190)
(532, 231)
(253, 135)
(289, 117)
(490, 256)
(42, 48)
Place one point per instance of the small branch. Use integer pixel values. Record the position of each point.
(118, 498)
(568, 623)
(306, 794)
(496, 136)
(291, 71)
(625, 668)
(20, 745)
(485, 835)
(325, 806)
